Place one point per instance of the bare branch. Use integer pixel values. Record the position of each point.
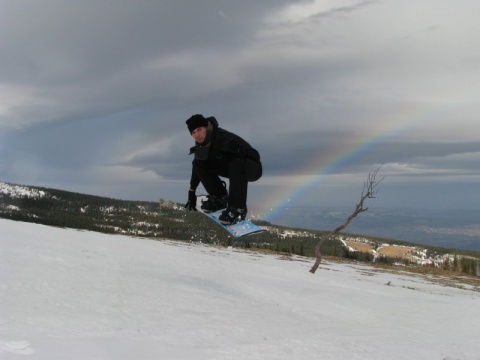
(370, 189)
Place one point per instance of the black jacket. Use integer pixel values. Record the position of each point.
(221, 149)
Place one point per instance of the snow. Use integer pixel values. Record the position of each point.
(16, 191)
(70, 295)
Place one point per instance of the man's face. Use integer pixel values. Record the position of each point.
(199, 134)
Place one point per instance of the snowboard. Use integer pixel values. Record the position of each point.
(241, 228)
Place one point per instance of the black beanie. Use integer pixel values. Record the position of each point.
(196, 121)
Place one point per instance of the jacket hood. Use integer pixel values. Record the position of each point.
(213, 121)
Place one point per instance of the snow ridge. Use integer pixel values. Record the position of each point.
(18, 191)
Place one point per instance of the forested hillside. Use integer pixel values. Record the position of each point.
(166, 219)
(162, 219)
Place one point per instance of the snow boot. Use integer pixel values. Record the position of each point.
(214, 203)
(232, 216)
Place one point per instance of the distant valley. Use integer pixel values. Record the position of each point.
(458, 229)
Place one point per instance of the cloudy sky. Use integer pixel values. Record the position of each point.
(94, 96)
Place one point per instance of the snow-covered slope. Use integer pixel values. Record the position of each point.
(68, 294)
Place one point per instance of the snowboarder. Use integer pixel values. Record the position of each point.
(220, 153)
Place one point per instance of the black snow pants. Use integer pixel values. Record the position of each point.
(239, 172)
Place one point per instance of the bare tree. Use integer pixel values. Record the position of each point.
(370, 189)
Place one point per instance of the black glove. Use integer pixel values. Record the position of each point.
(192, 201)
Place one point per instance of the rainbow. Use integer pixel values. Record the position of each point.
(340, 159)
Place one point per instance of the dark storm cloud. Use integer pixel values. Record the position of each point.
(97, 92)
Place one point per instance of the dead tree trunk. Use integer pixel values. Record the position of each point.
(370, 189)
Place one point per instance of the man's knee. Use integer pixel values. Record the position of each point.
(254, 170)
(245, 168)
